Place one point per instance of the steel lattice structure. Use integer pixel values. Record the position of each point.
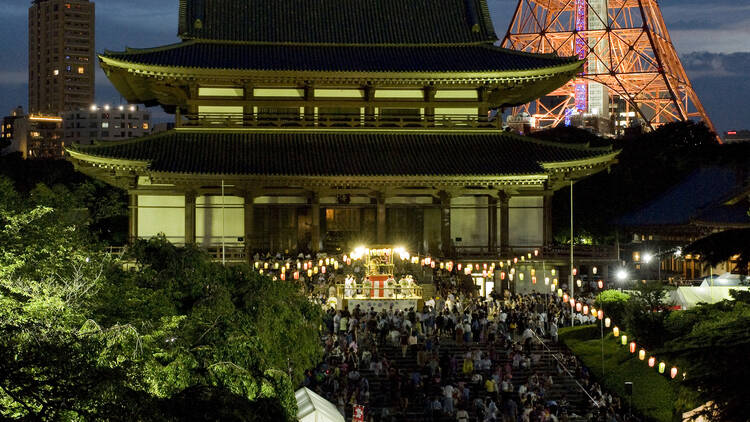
(627, 50)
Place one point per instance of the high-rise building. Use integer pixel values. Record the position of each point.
(33, 135)
(105, 123)
(61, 55)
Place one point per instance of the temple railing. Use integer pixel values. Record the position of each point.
(339, 121)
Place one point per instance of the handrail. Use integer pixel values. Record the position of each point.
(444, 121)
(374, 291)
(539, 339)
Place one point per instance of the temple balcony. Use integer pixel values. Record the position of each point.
(235, 121)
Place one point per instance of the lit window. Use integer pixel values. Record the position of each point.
(56, 72)
(80, 70)
(145, 125)
(105, 125)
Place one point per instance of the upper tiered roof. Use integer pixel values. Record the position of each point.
(337, 21)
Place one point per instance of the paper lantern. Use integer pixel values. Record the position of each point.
(559, 293)
(593, 311)
(533, 271)
(283, 277)
(328, 261)
(283, 270)
(536, 252)
(642, 354)
(575, 271)
(428, 261)
(572, 302)
(299, 265)
(616, 331)
(467, 271)
(520, 276)
(502, 275)
(459, 267)
(344, 257)
(624, 339)
(600, 314)
(546, 281)
(349, 261)
(323, 269)
(296, 275)
(553, 288)
(261, 271)
(484, 265)
(523, 258)
(673, 372)
(651, 362)
(449, 266)
(287, 265)
(533, 280)
(469, 267)
(335, 265)
(512, 270)
(553, 272)
(442, 265)
(601, 284)
(315, 270)
(275, 265)
(632, 347)
(304, 267)
(529, 255)
(309, 273)
(554, 280)
(585, 309)
(579, 282)
(662, 367)
(257, 264)
(432, 264)
(515, 260)
(607, 322)
(593, 270)
(484, 273)
(320, 263)
(265, 265)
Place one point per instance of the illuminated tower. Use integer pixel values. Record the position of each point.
(632, 69)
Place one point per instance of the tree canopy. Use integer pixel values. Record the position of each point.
(720, 247)
(84, 338)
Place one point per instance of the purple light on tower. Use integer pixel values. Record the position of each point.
(581, 49)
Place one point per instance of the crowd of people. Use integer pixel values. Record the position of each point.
(459, 358)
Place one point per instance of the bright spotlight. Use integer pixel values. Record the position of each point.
(678, 252)
(647, 257)
(621, 274)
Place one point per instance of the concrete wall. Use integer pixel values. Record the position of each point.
(526, 221)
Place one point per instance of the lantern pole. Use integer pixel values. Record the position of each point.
(572, 287)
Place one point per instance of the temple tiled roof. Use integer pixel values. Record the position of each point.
(212, 55)
(337, 21)
(340, 153)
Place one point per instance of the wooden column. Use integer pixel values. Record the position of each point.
(492, 224)
(315, 216)
(446, 244)
(189, 218)
(547, 224)
(504, 201)
(381, 218)
(249, 218)
(132, 218)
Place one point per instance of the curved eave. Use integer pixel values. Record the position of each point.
(592, 162)
(211, 73)
(106, 162)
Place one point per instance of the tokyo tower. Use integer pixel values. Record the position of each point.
(631, 73)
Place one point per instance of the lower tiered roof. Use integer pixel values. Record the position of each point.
(341, 153)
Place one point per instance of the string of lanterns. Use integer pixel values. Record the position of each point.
(296, 268)
(623, 338)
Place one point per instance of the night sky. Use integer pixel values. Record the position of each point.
(712, 38)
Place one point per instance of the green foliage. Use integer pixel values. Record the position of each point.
(654, 395)
(83, 339)
(712, 344)
(646, 314)
(614, 304)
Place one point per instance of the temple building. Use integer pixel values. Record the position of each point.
(313, 125)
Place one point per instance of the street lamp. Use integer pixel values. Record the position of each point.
(621, 274)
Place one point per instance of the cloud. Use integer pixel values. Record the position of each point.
(708, 64)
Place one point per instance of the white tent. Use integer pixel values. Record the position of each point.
(313, 408)
(688, 297)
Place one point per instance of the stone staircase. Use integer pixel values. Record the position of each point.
(379, 386)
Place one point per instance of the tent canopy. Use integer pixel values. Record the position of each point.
(313, 408)
(688, 297)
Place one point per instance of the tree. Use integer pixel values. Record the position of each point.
(723, 246)
(711, 344)
(83, 339)
(647, 312)
(614, 304)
